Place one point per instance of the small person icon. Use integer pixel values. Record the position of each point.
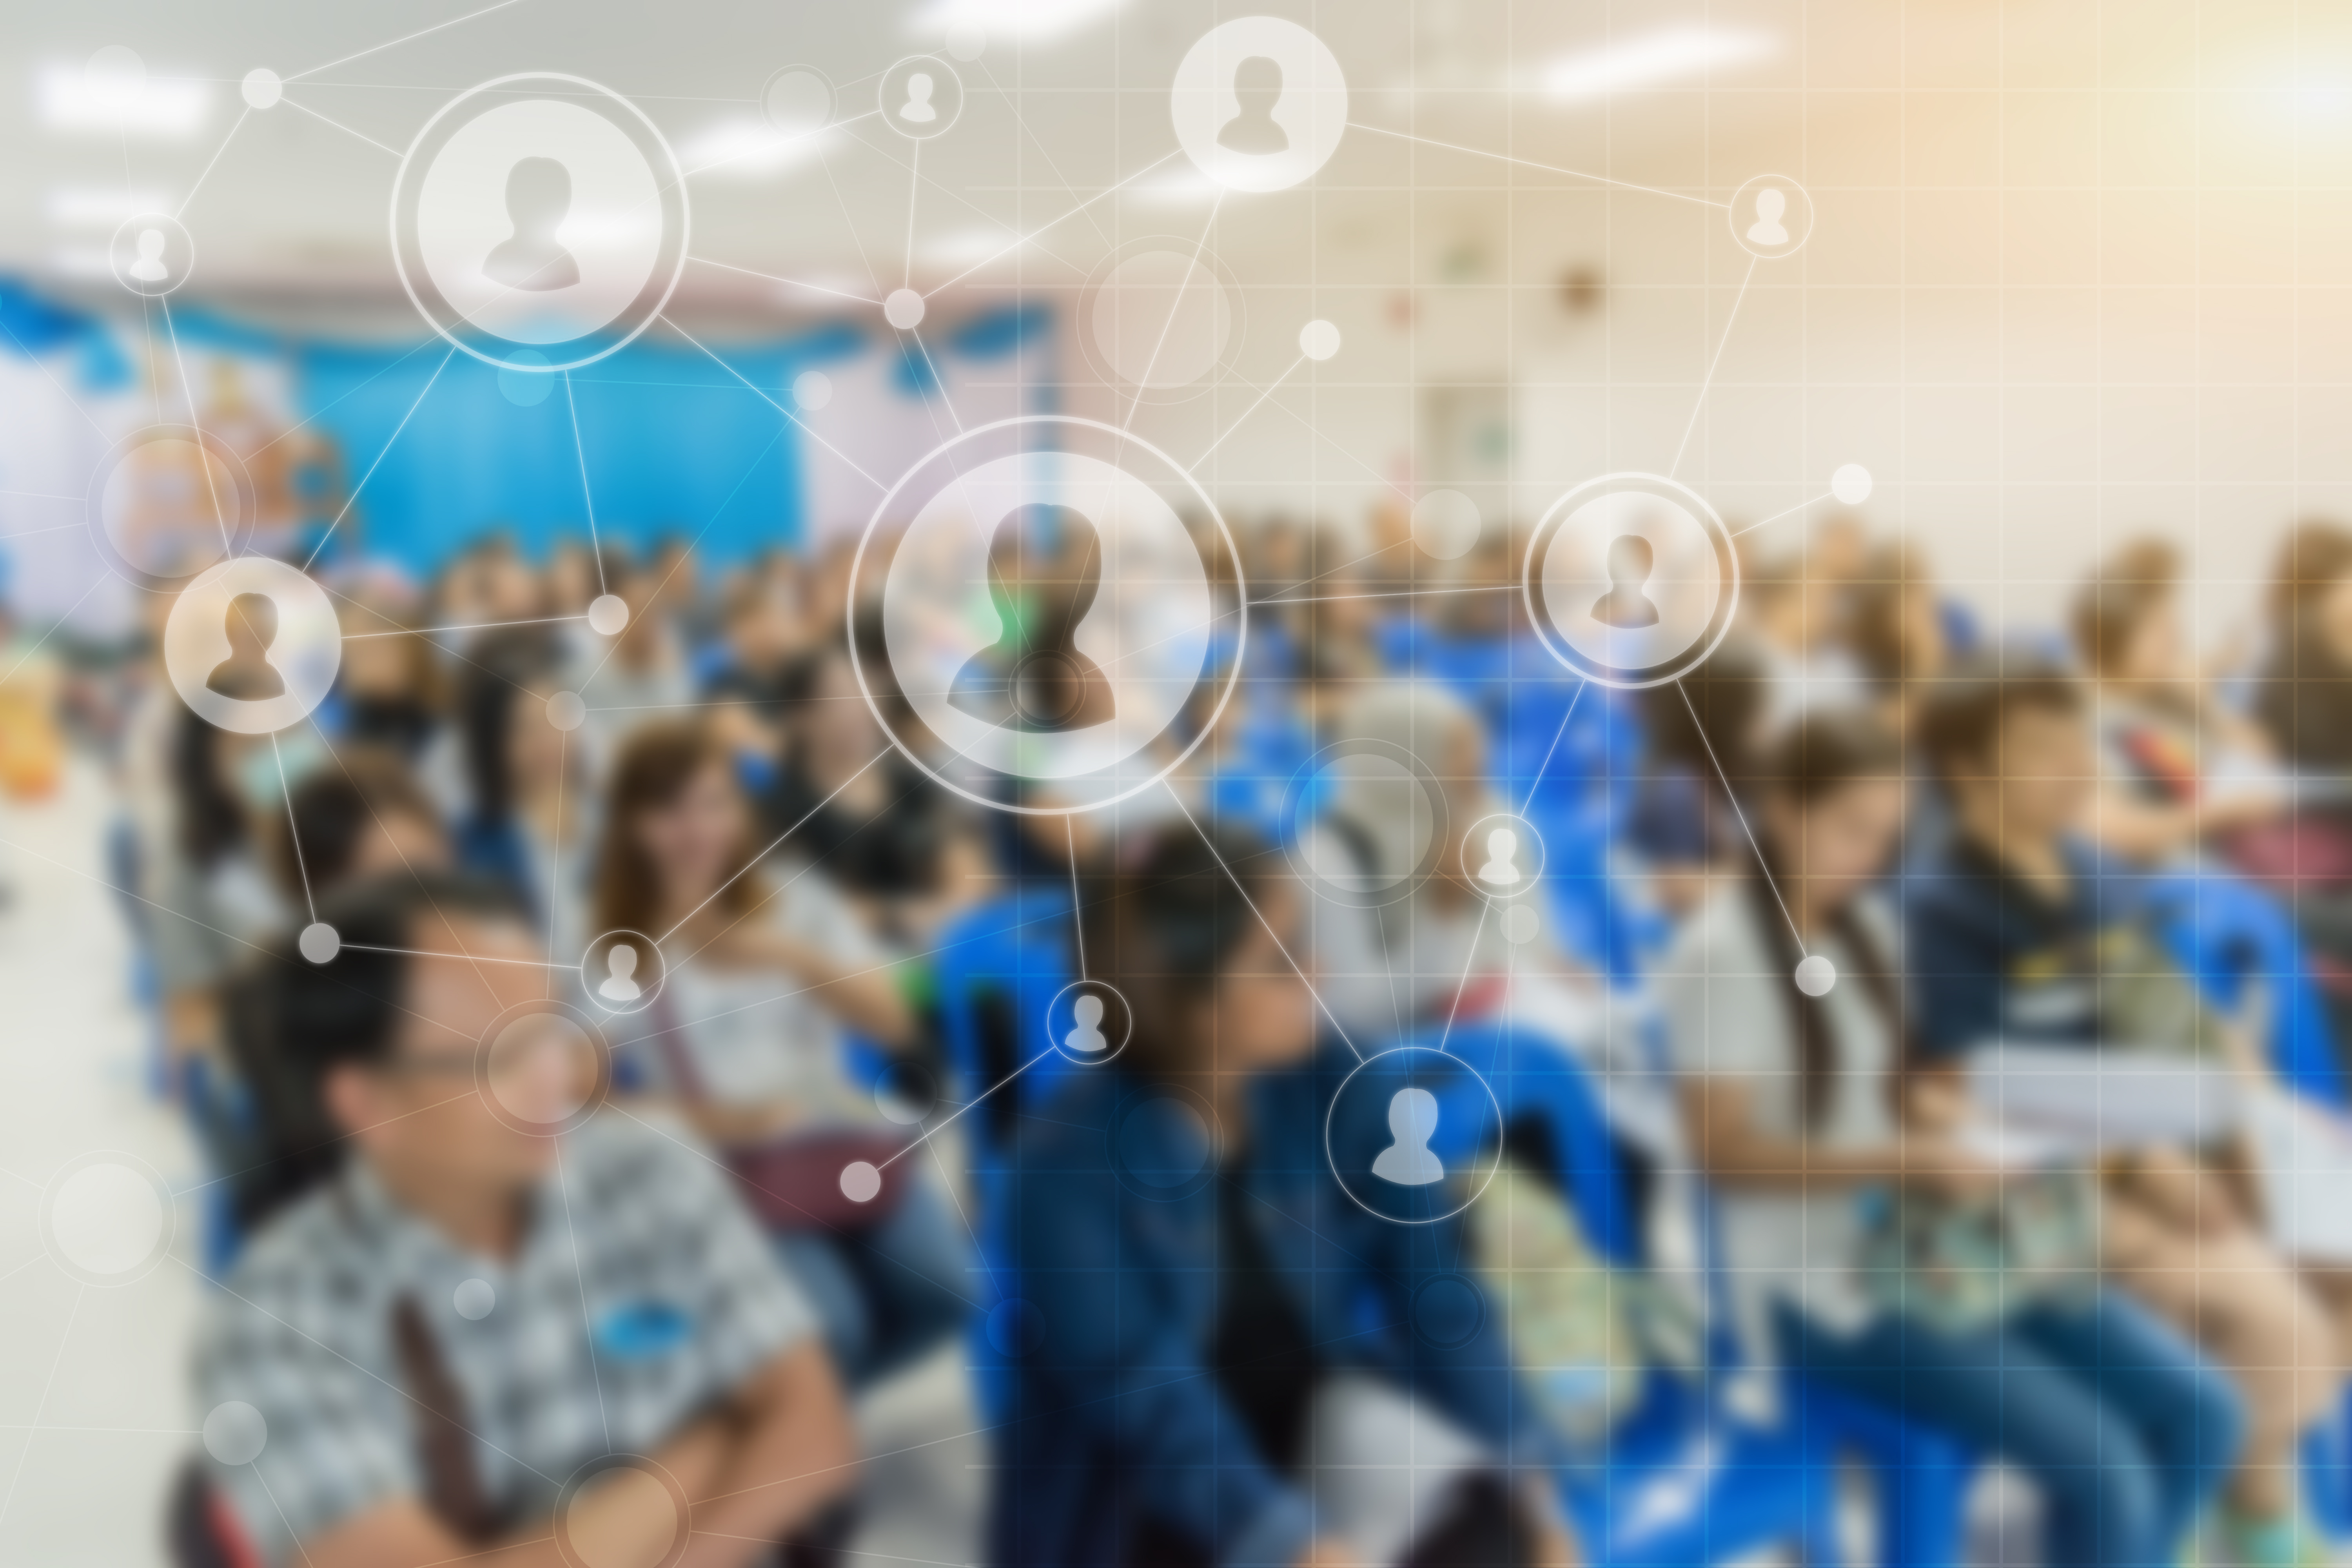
(1087, 1038)
(539, 198)
(1626, 607)
(1257, 87)
(621, 959)
(247, 673)
(1409, 1162)
(1767, 230)
(1501, 869)
(917, 109)
(149, 266)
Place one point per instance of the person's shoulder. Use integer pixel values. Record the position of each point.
(1721, 936)
(307, 1253)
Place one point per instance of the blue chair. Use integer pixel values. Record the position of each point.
(1681, 1481)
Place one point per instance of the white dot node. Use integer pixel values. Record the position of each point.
(474, 1299)
(319, 942)
(261, 87)
(812, 389)
(234, 1433)
(1851, 484)
(860, 1181)
(1520, 924)
(597, 1537)
(107, 1219)
(565, 711)
(1445, 525)
(1816, 975)
(607, 614)
(1319, 340)
(903, 309)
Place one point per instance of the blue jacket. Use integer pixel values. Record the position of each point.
(1114, 1418)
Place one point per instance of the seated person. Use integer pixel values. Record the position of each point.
(1791, 1104)
(2021, 932)
(1193, 1293)
(464, 1314)
(356, 815)
(749, 1035)
(529, 824)
(2175, 768)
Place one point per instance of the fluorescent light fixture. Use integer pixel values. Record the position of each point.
(971, 247)
(749, 149)
(1184, 188)
(101, 207)
(1026, 21)
(1655, 57)
(162, 108)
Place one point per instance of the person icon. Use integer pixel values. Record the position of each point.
(1409, 1162)
(539, 198)
(1767, 230)
(1501, 869)
(1033, 678)
(246, 675)
(1087, 1038)
(149, 268)
(1626, 607)
(1257, 87)
(918, 109)
(620, 963)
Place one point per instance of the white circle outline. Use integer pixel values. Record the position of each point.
(588, 1107)
(560, 1520)
(1526, 882)
(1431, 859)
(1098, 359)
(1740, 235)
(646, 993)
(1055, 1040)
(240, 532)
(150, 220)
(832, 100)
(1683, 663)
(48, 1205)
(253, 716)
(882, 105)
(1332, 1161)
(676, 182)
(1241, 617)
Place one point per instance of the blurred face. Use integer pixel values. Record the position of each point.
(397, 841)
(2152, 652)
(1263, 1015)
(2335, 618)
(2041, 776)
(1833, 846)
(419, 1118)
(695, 841)
(536, 749)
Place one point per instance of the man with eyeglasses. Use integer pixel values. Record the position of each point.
(507, 1325)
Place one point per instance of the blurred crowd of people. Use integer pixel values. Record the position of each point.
(1176, 1320)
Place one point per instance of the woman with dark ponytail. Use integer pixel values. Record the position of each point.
(1193, 1303)
(1792, 1097)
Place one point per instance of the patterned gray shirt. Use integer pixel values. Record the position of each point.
(669, 1300)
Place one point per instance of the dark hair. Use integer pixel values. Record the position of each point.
(1163, 929)
(1822, 753)
(212, 820)
(1962, 721)
(1874, 626)
(291, 1022)
(503, 667)
(330, 812)
(2112, 607)
(655, 765)
(2315, 555)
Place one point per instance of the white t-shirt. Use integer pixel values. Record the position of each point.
(1730, 1014)
(760, 1037)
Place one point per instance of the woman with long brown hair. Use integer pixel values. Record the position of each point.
(767, 972)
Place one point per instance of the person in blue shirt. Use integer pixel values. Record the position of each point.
(1196, 1281)
(2019, 931)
